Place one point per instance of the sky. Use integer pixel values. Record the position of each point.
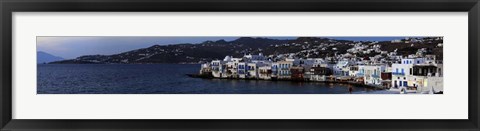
(70, 47)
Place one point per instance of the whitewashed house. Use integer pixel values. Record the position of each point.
(275, 69)
(217, 69)
(402, 72)
(252, 70)
(428, 78)
(284, 69)
(319, 73)
(372, 74)
(342, 68)
(242, 70)
(265, 72)
(353, 71)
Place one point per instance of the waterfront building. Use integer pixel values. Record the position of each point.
(353, 71)
(372, 74)
(265, 72)
(252, 70)
(275, 69)
(432, 84)
(418, 72)
(297, 73)
(284, 69)
(231, 70)
(217, 68)
(342, 68)
(242, 70)
(402, 71)
(386, 79)
(205, 69)
(428, 78)
(232, 67)
(306, 71)
(320, 73)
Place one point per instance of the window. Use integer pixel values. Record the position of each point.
(403, 71)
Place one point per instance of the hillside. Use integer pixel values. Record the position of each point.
(43, 57)
(302, 47)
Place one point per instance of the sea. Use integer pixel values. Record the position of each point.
(167, 79)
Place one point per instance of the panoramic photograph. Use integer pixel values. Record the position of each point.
(239, 65)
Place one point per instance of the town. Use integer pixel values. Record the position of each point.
(417, 73)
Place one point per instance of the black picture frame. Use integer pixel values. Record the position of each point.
(9, 6)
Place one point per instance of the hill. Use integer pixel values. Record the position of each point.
(43, 57)
(302, 47)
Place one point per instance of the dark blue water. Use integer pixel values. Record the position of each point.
(162, 79)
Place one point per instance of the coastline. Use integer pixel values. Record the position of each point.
(300, 81)
(115, 63)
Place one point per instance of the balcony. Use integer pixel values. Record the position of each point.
(398, 73)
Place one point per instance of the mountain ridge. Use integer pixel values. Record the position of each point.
(301, 47)
(43, 57)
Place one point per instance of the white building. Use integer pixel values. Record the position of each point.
(402, 73)
(258, 57)
(252, 70)
(353, 71)
(275, 69)
(372, 73)
(284, 69)
(428, 78)
(265, 72)
(242, 70)
(217, 68)
(342, 68)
